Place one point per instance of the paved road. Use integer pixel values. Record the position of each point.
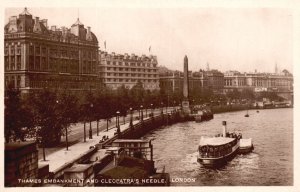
(76, 131)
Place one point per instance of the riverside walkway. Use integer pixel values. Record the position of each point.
(57, 159)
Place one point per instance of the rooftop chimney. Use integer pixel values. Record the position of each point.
(44, 21)
(63, 29)
(53, 28)
(37, 20)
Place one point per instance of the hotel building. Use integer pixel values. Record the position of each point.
(37, 57)
(116, 70)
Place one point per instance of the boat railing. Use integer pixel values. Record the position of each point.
(209, 151)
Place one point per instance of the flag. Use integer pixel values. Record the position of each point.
(149, 49)
(105, 45)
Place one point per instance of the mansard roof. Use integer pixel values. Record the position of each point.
(28, 24)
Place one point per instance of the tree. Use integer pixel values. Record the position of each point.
(234, 94)
(123, 101)
(15, 115)
(44, 104)
(67, 112)
(247, 94)
(137, 94)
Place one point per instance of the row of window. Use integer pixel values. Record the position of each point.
(233, 82)
(130, 75)
(131, 69)
(131, 80)
(138, 64)
(13, 51)
(13, 64)
(258, 83)
(52, 52)
(15, 80)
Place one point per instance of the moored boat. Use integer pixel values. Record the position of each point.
(216, 151)
(203, 115)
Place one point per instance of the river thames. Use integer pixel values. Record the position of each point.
(270, 164)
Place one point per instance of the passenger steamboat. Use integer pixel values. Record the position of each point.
(216, 151)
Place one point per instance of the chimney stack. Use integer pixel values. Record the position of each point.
(37, 20)
(63, 29)
(53, 28)
(88, 30)
(44, 21)
(224, 128)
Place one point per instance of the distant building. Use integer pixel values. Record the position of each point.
(172, 81)
(116, 70)
(36, 56)
(259, 82)
(215, 80)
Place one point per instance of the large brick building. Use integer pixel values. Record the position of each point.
(36, 56)
(116, 70)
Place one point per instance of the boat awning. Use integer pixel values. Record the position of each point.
(215, 140)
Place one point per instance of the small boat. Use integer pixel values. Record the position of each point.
(217, 151)
(246, 146)
(203, 115)
(247, 115)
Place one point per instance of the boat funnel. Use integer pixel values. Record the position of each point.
(224, 128)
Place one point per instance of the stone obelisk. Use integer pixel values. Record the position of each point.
(185, 102)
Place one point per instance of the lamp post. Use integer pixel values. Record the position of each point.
(162, 108)
(146, 110)
(174, 106)
(141, 112)
(117, 121)
(90, 131)
(167, 104)
(131, 114)
(152, 110)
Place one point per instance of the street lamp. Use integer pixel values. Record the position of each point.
(131, 114)
(141, 112)
(146, 110)
(84, 127)
(90, 131)
(152, 110)
(117, 119)
(117, 122)
(174, 106)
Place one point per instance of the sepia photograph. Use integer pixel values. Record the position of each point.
(159, 95)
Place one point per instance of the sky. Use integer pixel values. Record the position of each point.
(242, 39)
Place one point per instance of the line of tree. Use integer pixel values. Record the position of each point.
(47, 114)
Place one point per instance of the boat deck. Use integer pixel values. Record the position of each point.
(215, 141)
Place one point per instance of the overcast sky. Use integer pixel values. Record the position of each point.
(242, 39)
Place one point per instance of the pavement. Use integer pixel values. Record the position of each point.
(63, 156)
(76, 132)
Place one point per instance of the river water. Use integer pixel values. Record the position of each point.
(270, 164)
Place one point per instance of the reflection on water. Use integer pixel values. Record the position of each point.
(271, 162)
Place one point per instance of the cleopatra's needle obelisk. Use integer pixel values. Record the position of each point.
(185, 102)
